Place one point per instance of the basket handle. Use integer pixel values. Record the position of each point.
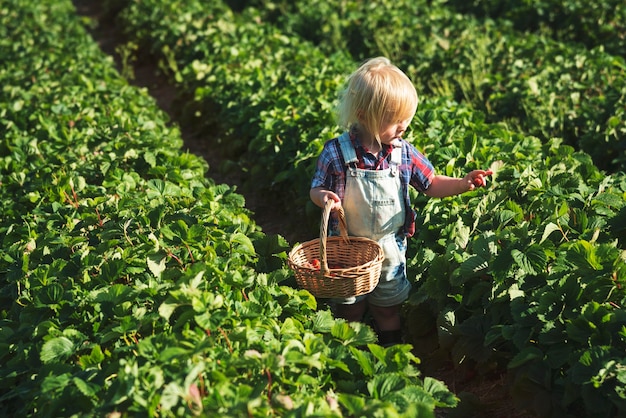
(343, 230)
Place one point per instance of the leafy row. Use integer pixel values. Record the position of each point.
(544, 87)
(132, 284)
(552, 225)
(599, 24)
(529, 275)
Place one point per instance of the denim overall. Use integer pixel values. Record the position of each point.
(374, 208)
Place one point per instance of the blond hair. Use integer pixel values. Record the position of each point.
(376, 93)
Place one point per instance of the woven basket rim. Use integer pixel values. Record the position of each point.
(301, 246)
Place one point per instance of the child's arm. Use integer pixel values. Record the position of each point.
(444, 186)
(320, 196)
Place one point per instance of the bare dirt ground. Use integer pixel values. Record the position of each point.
(483, 395)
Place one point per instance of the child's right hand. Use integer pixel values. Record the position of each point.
(336, 203)
(320, 196)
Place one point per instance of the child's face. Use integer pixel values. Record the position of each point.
(393, 129)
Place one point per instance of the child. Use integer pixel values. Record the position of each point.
(367, 170)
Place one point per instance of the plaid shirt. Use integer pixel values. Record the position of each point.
(415, 170)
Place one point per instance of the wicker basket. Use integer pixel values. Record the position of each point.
(359, 259)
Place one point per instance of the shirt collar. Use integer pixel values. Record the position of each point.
(356, 142)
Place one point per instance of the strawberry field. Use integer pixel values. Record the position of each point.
(134, 284)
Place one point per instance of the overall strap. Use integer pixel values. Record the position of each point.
(396, 159)
(347, 149)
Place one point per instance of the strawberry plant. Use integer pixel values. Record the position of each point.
(131, 283)
(596, 25)
(513, 275)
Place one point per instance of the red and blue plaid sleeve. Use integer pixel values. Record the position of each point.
(421, 169)
(329, 171)
(417, 171)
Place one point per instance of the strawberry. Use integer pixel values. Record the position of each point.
(315, 264)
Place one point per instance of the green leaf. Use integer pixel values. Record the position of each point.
(93, 359)
(378, 351)
(503, 217)
(353, 404)
(112, 270)
(51, 294)
(462, 234)
(159, 188)
(323, 321)
(245, 245)
(171, 395)
(550, 228)
(354, 333)
(440, 392)
(364, 360)
(524, 356)
(583, 255)
(532, 261)
(57, 349)
(156, 267)
(382, 385)
(85, 388)
(472, 267)
(167, 308)
(150, 158)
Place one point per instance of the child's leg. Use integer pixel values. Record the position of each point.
(392, 290)
(351, 312)
(387, 317)
(389, 324)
